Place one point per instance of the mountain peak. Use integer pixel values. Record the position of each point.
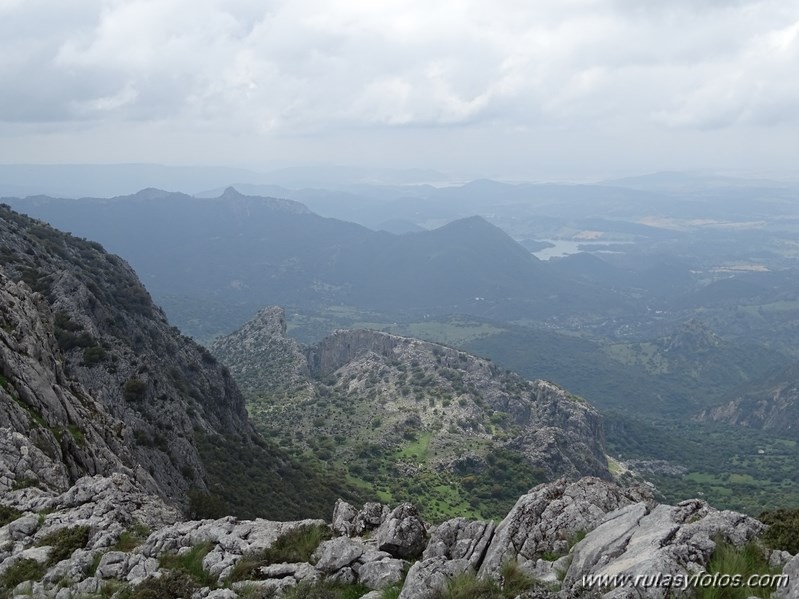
(231, 193)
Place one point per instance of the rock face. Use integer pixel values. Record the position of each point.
(93, 380)
(52, 430)
(92, 357)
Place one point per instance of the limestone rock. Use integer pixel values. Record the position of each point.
(403, 534)
(666, 540)
(550, 515)
(459, 538)
(337, 553)
(381, 574)
(430, 575)
(791, 590)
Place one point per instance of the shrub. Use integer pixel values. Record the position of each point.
(134, 390)
(783, 529)
(191, 564)
(8, 514)
(65, 542)
(24, 569)
(93, 355)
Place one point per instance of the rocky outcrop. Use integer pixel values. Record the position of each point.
(551, 517)
(644, 542)
(263, 359)
(104, 533)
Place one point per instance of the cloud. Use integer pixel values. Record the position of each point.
(307, 66)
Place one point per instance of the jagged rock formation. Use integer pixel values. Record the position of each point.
(105, 536)
(374, 402)
(93, 380)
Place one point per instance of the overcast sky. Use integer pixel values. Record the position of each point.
(514, 88)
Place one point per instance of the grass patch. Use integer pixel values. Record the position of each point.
(326, 590)
(745, 561)
(417, 450)
(64, 542)
(392, 592)
(295, 546)
(190, 563)
(298, 544)
(513, 583)
(132, 538)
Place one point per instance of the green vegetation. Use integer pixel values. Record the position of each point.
(326, 590)
(190, 563)
(261, 480)
(783, 529)
(297, 545)
(175, 584)
(132, 538)
(467, 586)
(134, 390)
(64, 542)
(745, 561)
(22, 570)
(732, 468)
(8, 514)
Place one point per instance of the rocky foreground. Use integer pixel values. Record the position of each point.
(106, 538)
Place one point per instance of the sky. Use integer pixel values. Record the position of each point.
(531, 89)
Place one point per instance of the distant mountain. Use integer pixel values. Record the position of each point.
(412, 419)
(106, 180)
(212, 262)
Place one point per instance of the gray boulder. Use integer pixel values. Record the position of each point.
(641, 541)
(430, 575)
(459, 538)
(381, 574)
(402, 534)
(550, 515)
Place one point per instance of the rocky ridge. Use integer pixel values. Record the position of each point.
(372, 402)
(104, 537)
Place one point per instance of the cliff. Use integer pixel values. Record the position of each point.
(96, 381)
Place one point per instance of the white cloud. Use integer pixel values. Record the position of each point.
(311, 67)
